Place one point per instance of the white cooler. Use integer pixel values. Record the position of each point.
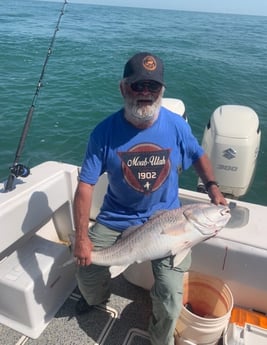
(34, 285)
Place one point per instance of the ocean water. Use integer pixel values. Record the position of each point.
(210, 60)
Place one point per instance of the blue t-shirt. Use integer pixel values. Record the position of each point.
(143, 166)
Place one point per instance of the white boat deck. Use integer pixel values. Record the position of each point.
(122, 321)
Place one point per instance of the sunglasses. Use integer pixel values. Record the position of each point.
(151, 86)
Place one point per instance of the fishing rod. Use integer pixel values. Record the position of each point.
(17, 169)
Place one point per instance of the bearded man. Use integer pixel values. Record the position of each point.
(142, 148)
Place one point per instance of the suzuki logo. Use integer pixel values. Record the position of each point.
(229, 153)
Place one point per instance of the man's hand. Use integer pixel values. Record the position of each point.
(216, 196)
(82, 251)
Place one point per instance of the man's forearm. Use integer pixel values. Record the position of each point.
(204, 169)
(82, 205)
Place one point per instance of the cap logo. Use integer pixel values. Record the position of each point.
(149, 63)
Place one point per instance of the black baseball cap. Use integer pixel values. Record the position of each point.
(144, 66)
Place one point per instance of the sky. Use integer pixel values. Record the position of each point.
(253, 7)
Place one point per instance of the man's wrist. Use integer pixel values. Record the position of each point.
(211, 183)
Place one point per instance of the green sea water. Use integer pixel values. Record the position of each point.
(210, 60)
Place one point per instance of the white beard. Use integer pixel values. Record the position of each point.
(139, 114)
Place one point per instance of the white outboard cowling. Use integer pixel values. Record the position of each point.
(232, 140)
(175, 105)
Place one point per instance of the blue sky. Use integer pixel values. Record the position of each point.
(253, 7)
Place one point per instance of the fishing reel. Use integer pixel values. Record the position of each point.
(19, 170)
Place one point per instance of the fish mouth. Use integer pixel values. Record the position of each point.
(215, 221)
(225, 211)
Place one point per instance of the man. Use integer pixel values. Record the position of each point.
(142, 147)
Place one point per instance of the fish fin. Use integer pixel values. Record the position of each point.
(178, 258)
(116, 270)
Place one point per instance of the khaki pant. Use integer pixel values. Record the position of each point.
(166, 293)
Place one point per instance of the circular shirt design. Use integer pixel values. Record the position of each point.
(145, 166)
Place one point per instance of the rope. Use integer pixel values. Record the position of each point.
(19, 169)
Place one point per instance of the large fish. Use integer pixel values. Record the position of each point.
(172, 232)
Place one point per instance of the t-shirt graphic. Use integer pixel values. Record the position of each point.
(145, 166)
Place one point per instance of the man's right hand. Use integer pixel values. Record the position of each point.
(82, 251)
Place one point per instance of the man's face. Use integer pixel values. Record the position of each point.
(142, 99)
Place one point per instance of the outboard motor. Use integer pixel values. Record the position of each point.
(232, 140)
(176, 106)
